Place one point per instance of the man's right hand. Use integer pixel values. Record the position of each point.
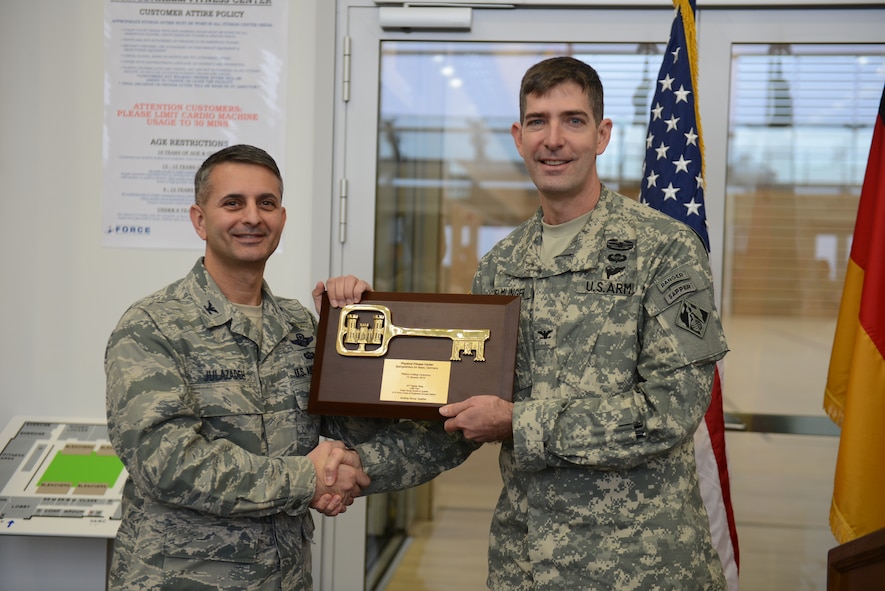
(342, 291)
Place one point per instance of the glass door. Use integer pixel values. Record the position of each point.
(788, 154)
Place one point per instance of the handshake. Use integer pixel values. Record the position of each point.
(339, 477)
(339, 471)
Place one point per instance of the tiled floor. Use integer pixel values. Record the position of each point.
(449, 553)
(781, 483)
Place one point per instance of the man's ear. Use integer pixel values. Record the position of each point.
(516, 132)
(198, 219)
(604, 135)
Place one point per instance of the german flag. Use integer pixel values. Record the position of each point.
(855, 392)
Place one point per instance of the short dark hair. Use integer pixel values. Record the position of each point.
(547, 74)
(243, 153)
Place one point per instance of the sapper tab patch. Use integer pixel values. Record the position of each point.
(693, 318)
(679, 290)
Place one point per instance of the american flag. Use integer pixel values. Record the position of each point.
(673, 172)
(673, 182)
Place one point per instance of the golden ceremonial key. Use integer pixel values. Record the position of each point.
(377, 334)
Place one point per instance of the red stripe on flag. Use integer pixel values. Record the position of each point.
(716, 426)
(868, 248)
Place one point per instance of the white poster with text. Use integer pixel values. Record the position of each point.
(184, 79)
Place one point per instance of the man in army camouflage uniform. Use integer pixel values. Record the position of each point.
(617, 345)
(207, 388)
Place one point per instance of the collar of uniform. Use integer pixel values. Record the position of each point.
(275, 323)
(583, 251)
(217, 310)
(580, 255)
(524, 256)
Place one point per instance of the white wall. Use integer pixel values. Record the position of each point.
(62, 292)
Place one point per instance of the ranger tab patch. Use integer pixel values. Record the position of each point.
(693, 318)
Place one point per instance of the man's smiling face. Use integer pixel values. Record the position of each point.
(242, 217)
(559, 140)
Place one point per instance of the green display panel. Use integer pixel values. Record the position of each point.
(80, 468)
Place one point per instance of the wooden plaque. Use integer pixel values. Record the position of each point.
(403, 355)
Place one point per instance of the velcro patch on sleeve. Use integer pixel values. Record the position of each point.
(693, 318)
(674, 287)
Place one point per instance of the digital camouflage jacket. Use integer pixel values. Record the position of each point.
(617, 343)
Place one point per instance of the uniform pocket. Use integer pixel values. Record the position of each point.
(225, 398)
(199, 555)
(229, 411)
(223, 542)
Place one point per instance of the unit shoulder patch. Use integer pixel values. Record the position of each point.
(693, 318)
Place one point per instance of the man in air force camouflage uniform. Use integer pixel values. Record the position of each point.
(207, 389)
(617, 343)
